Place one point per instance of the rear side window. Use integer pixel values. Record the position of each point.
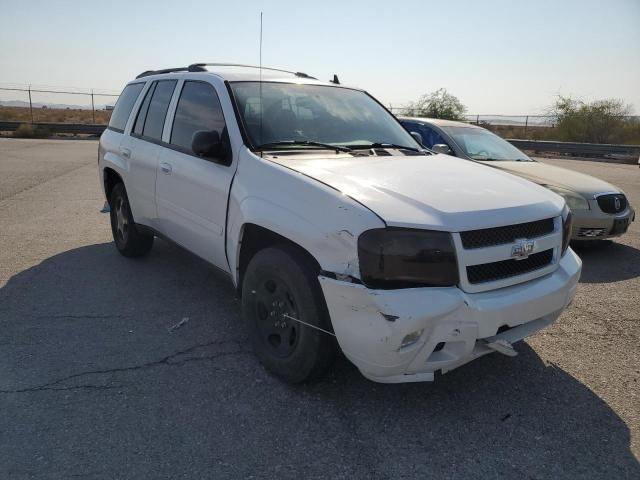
(124, 105)
(142, 112)
(198, 109)
(154, 110)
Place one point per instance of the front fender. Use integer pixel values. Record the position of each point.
(316, 217)
(335, 251)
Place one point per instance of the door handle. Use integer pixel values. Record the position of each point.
(126, 153)
(165, 167)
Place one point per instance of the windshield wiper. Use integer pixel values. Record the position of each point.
(302, 143)
(387, 145)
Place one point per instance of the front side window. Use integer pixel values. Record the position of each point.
(430, 136)
(481, 144)
(289, 112)
(124, 105)
(198, 109)
(157, 109)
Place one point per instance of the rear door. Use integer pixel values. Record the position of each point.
(111, 140)
(192, 192)
(143, 147)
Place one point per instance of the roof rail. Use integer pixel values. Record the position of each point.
(190, 68)
(200, 67)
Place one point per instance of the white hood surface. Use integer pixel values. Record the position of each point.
(542, 173)
(434, 191)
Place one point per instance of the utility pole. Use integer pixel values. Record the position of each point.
(30, 105)
(93, 108)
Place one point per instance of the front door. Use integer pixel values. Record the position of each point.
(192, 192)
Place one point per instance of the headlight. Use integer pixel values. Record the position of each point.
(573, 199)
(567, 223)
(405, 258)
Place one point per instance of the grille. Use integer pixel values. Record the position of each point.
(608, 203)
(499, 235)
(489, 272)
(591, 232)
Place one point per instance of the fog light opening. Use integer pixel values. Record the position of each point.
(411, 338)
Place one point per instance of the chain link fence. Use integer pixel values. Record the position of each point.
(537, 127)
(34, 104)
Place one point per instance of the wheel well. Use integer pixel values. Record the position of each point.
(111, 179)
(256, 238)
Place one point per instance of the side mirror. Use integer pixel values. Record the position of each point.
(206, 143)
(441, 148)
(417, 137)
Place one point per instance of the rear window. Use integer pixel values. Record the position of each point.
(124, 105)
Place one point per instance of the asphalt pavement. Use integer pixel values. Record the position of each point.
(112, 368)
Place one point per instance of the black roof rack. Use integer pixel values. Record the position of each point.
(199, 67)
(190, 68)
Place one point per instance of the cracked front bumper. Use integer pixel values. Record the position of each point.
(370, 325)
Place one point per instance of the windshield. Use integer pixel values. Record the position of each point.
(481, 144)
(304, 115)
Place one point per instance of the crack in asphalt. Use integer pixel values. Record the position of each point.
(52, 385)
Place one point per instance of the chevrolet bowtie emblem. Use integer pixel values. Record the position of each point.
(522, 249)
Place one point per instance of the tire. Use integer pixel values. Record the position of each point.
(282, 281)
(129, 241)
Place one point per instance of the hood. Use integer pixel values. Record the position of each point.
(544, 174)
(435, 191)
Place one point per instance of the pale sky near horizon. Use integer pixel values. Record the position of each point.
(498, 56)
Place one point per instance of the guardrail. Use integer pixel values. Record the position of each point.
(572, 148)
(577, 149)
(80, 128)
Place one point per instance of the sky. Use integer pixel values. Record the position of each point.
(498, 57)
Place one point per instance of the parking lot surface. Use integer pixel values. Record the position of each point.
(97, 380)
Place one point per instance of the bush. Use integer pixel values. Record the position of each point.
(438, 104)
(27, 130)
(600, 121)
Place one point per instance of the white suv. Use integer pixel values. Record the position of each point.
(333, 223)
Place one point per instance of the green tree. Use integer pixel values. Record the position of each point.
(438, 104)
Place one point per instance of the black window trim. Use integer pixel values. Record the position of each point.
(153, 86)
(179, 149)
(121, 130)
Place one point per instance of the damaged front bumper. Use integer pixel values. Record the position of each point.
(407, 335)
